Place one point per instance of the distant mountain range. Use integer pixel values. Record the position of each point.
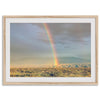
(72, 60)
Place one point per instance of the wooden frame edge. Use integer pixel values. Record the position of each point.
(49, 16)
(96, 44)
(48, 83)
(4, 50)
(51, 83)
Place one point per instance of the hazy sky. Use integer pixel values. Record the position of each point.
(30, 45)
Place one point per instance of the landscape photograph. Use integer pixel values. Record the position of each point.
(50, 50)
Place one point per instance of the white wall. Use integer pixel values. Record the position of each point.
(47, 7)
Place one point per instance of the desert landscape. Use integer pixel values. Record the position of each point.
(50, 50)
(62, 70)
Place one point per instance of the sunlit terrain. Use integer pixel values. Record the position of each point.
(50, 49)
(61, 70)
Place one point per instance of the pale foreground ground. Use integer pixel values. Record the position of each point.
(62, 70)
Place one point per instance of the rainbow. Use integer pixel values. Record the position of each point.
(51, 43)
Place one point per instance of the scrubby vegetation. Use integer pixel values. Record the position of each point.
(51, 72)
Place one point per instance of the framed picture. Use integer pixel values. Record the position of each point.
(50, 50)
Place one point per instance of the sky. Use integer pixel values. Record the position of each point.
(29, 43)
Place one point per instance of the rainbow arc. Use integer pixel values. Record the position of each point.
(51, 43)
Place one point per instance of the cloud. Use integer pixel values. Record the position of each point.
(65, 32)
(31, 40)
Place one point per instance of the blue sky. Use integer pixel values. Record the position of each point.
(30, 45)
